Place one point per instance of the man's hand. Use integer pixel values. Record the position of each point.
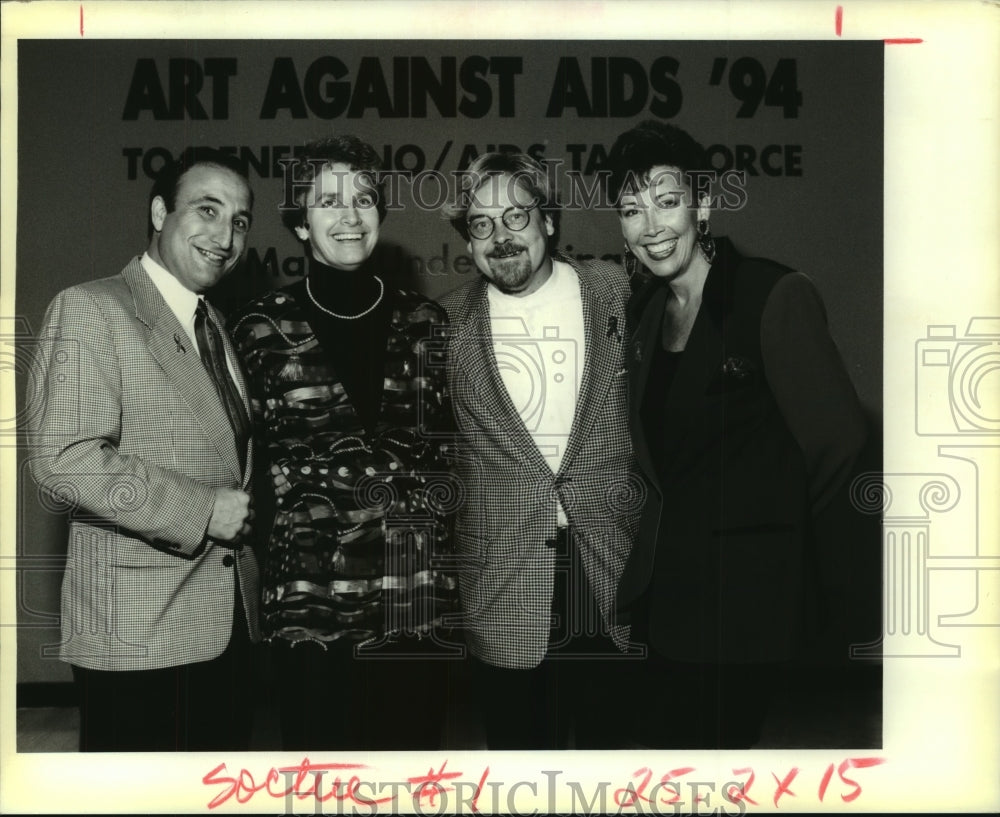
(231, 515)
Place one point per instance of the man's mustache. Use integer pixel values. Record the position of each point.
(505, 250)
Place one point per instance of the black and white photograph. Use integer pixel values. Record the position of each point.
(422, 418)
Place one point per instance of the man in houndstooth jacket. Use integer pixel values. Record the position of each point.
(537, 380)
(159, 597)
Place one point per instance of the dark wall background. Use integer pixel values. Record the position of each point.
(95, 116)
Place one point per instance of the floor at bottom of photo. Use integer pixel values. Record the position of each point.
(814, 707)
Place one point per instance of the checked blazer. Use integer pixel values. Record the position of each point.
(507, 571)
(130, 433)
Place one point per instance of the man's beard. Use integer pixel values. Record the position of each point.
(512, 274)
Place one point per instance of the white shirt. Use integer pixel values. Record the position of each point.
(540, 346)
(182, 302)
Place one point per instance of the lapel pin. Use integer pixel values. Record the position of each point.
(613, 327)
(180, 346)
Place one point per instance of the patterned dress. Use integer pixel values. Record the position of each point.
(360, 547)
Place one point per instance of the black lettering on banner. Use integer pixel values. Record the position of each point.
(266, 160)
(619, 87)
(255, 265)
(441, 89)
(599, 86)
(259, 164)
(145, 93)
(568, 90)
(327, 90)
(294, 266)
(220, 69)
(783, 90)
(575, 152)
(401, 85)
(370, 90)
(185, 82)
(772, 160)
(661, 76)
(472, 75)
(749, 83)
(627, 85)
(264, 264)
(269, 266)
(506, 68)
(153, 161)
(402, 162)
(327, 99)
(596, 158)
(283, 91)
(468, 156)
(150, 166)
(132, 155)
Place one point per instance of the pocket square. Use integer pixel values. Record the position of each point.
(734, 375)
(737, 368)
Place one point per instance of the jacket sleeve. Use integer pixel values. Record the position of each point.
(74, 428)
(811, 386)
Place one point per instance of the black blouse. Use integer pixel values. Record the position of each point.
(662, 370)
(355, 347)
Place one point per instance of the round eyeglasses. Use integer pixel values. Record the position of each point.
(514, 219)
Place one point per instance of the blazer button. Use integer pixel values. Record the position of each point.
(227, 560)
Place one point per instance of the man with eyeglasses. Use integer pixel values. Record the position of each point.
(536, 374)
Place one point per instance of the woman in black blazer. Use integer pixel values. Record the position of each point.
(744, 422)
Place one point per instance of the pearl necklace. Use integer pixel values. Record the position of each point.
(378, 300)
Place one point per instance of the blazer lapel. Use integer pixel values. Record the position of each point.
(644, 338)
(602, 325)
(169, 344)
(475, 359)
(705, 347)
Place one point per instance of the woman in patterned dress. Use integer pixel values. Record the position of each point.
(350, 401)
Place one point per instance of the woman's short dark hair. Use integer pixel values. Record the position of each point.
(652, 144)
(310, 160)
(526, 171)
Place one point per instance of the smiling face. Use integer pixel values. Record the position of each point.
(659, 224)
(342, 221)
(516, 261)
(202, 239)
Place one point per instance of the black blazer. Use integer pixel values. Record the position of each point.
(762, 425)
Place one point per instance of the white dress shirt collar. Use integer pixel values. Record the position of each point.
(181, 300)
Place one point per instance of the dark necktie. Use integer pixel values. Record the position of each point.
(213, 356)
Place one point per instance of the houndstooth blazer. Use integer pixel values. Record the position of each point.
(509, 513)
(130, 433)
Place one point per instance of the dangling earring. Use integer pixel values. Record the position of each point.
(705, 241)
(631, 263)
